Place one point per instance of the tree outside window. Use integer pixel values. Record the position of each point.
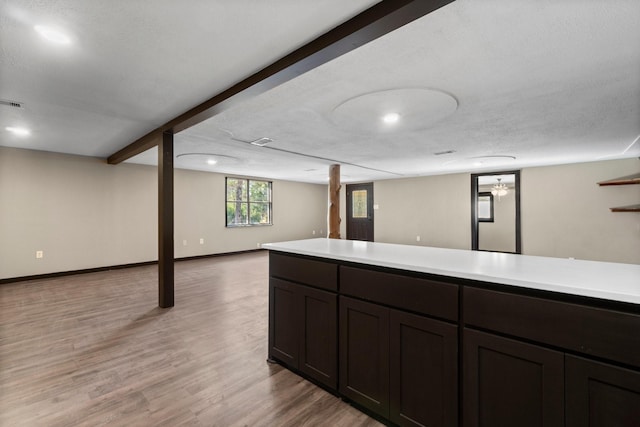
(248, 202)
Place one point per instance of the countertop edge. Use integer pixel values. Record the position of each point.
(293, 247)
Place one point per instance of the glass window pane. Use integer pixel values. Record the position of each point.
(359, 204)
(260, 213)
(236, 189)
(236, 213)
(259, 191)
(484, 207)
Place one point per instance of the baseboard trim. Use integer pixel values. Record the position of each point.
(115, 267)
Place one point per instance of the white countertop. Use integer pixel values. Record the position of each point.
(604, 280)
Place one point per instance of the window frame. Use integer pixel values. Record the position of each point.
(491, 217)
(248, 202)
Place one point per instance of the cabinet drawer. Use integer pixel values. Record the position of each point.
(589, 330)
(409, 293)
(310, 272)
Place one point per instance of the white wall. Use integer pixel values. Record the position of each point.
(564, 213)
(84, 213)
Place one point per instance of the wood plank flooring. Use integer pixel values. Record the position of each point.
(95, 350)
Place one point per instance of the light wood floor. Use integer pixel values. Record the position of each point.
(94, 349)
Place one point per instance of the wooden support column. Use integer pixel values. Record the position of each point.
(334, 201)
(165, 221)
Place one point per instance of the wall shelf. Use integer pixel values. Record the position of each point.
(630, 208)
(625, 180)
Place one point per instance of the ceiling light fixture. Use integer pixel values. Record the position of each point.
(18, 131)
(499, 189)
(212, 161)
(391, 118)
(52, 34)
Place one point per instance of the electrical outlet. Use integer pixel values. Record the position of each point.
(39, 254)
(417, 238)
(201, 241)
(184, 243)
(258, 245)
(314, 232)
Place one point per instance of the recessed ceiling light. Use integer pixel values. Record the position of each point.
(52, 34)
(18, 131)
(391, 118)
(212, 161)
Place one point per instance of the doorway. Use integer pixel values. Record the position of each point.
(360, 212)
(495, 212)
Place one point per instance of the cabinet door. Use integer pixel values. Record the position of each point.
(509, 383)
(424, 371)
(284, 324)
(318, 349)
(364, 354)
(601, 395)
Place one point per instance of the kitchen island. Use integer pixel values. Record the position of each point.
(444, 337)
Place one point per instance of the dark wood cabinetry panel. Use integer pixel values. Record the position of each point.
(303, 330)
(310, 272)
(423, 371)
(284, 314)
(395, 337)
(425, 296)
(319, 339)
(601, 395)
(364, 354)
(509, 383)
(589, 330)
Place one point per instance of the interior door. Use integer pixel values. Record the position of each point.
(360, 212)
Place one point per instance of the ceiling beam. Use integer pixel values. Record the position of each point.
(380, 19)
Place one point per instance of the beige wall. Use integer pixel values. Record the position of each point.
(564, 213)
(436, 208)
(84, 213)
(499, 235)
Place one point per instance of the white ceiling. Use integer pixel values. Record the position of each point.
(546, 82)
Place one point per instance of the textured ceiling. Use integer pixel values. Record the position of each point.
(134, 65)
(546, 82)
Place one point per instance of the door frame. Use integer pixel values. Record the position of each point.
(474, 210)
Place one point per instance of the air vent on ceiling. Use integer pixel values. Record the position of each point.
(440, 153)
(14, 104)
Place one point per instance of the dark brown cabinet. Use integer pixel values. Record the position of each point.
(601, 395)
(303, 330)
(284, 315)
(364, 354)
(423, 371)
(511, 383)
(319, 336)
(399, 365)
(425, 350)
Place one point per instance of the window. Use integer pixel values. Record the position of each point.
(248, 202)
(485, 207)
